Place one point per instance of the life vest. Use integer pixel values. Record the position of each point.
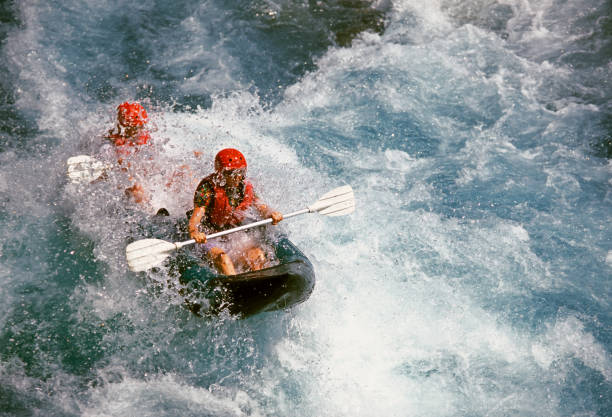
(222, 213)
(125, 144)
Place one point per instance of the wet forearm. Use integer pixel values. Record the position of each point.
(195, 219)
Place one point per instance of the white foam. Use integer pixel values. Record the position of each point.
(401, 321)
(400, 348)
(520, 232)
(567, 339)
(398, 160)
(154, 394)
(37, 88)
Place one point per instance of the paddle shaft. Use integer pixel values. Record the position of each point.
(243, 227)
(147, 253)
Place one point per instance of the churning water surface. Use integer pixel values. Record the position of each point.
(473, 278)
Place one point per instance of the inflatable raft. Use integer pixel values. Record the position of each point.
(289, 282)
(279, 287)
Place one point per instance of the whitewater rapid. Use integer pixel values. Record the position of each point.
(473, 278)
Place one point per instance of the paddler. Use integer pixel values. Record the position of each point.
(223, 200)
(128, 137)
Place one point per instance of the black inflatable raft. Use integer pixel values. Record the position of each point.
(279, 287)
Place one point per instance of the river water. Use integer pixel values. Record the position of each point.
(473, 278)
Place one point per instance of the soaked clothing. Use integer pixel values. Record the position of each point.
(225, 207)
(132, 157)
(126, 145)
(228, 207)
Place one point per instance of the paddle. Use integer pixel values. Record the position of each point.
(147, 253)
(85, 169)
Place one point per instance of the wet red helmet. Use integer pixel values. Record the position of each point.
(228, 159)
(131, 115)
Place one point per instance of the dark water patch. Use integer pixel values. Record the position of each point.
(346, 19)
(320, 148)
(16, 403)
(586, 391)
(153, 50)
(587, 52)
(101, 89)
(377, 129)
(578, 41)
(189, 103)
(591, 30)
(16, 132)
(43, 329)
(603, 147)
(8, 17)
(293, 35)
(114, 57)
(538, 309)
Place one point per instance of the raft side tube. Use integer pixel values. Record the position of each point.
(278, 287)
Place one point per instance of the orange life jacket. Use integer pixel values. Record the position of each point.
(222, 213)
(125, 145)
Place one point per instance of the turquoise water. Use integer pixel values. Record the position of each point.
(473, 278)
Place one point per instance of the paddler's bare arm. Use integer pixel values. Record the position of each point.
(194, 225)
(269, 213)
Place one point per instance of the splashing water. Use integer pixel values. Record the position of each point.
(473, 279)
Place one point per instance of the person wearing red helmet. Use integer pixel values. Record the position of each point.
(130, 130)
(223, 200)
(128, 138)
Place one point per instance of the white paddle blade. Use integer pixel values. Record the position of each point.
(337, 202)
(84, 169)
(147, 253)
(147, 262)
(339, 209)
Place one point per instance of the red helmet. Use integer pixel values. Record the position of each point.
(131, 115)
(228, 159)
